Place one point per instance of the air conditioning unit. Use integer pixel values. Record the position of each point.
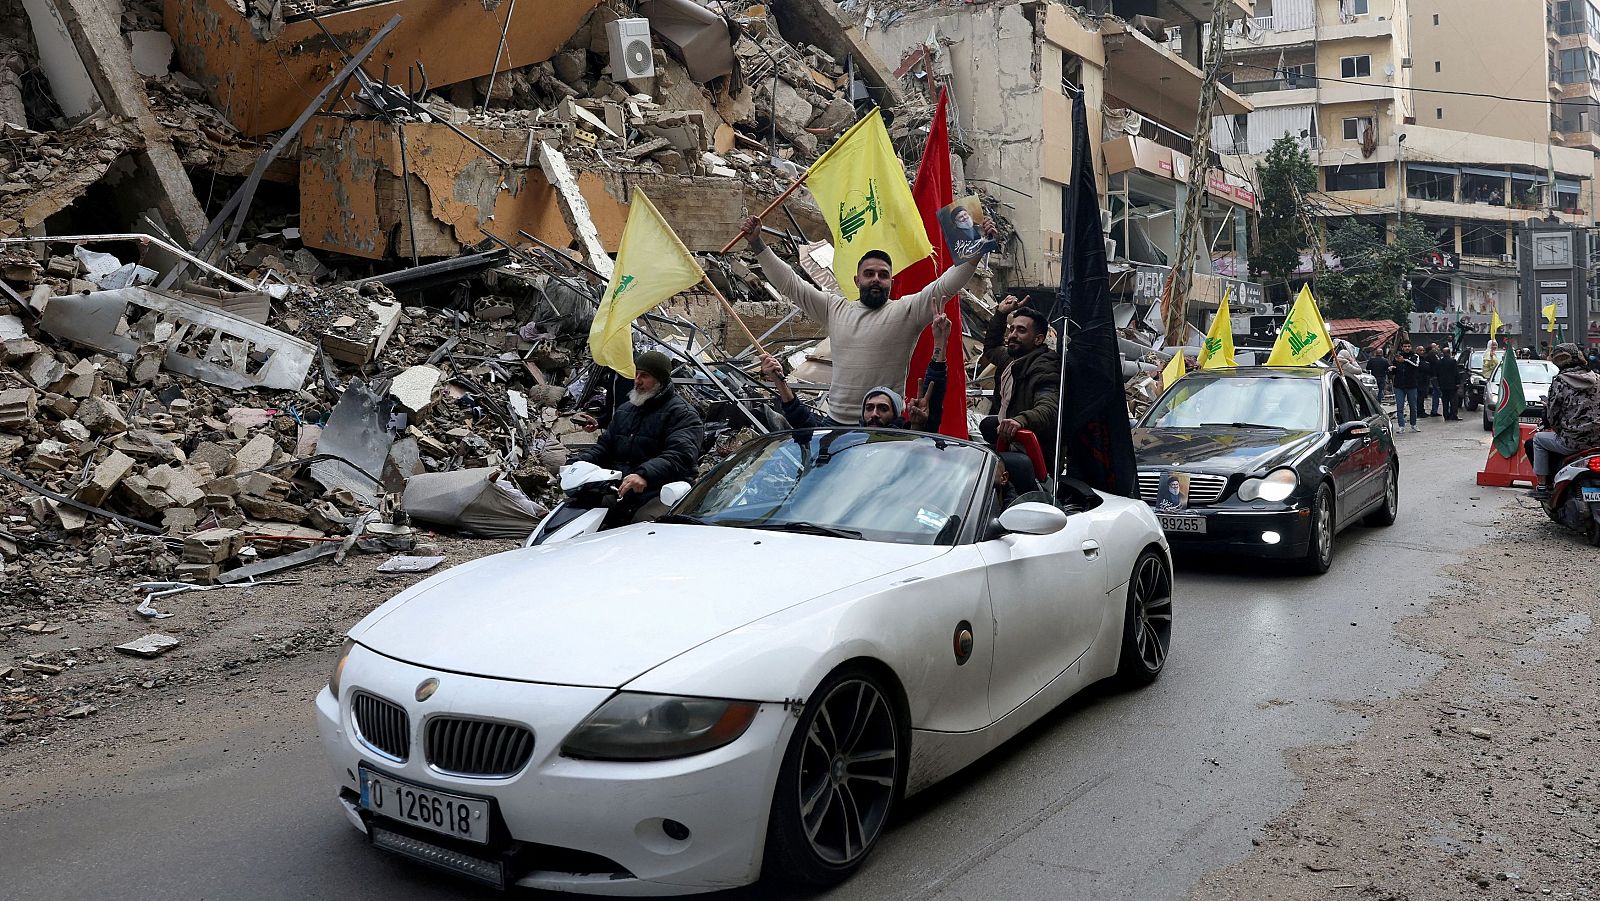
(1506, 259)
(1405, 62)
(632, 56)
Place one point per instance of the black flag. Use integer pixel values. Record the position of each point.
(1096, 440)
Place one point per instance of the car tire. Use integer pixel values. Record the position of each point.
(1147, 624)
(1319, 546)
(1488, 424)
(1389, 510)
(1471, 403)
(827, 811)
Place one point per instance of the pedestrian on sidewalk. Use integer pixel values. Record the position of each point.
(1405, 372)
(1378, 365)
(1430, 384)
(1447, 382)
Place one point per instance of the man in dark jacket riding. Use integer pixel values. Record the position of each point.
(654, 439)
(1028, 389)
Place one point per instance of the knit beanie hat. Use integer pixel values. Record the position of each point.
(656, 363)
(896, 402)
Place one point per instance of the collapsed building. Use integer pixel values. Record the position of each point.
(274, 273)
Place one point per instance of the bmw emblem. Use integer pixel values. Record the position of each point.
(426, 689)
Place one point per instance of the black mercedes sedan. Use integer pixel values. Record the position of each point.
(1267, 462)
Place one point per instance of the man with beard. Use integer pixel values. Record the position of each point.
(1028, 390)
(653, 439)
(871, 340)
(882, 407)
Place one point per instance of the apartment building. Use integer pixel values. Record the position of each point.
(1353, 79)
(1142, 94)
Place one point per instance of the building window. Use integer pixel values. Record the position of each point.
(1071, 73)
(1436, 18)
(1359, 177)
(1438, 112)
(1355, 66)
(1356, 129)
(1430, 183)
(1358, 7)
(1572, 66)
(1483, 239)
(1483, 187)
(1436, 66)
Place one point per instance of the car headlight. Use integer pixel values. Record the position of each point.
(1275, 486)
(658, 727)
(338, 667)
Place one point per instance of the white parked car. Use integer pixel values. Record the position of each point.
(829, 621)
(1537, 375)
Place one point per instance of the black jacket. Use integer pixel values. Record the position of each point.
(659, 441)
(1036, 384)
(1446, 371)
(1406, 371)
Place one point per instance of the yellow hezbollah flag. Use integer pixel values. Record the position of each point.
(1494, 324)
(1174, 370)
(1304, 339)
(861, 189)
(1218, 349)
(652, 265)
(1550, 318)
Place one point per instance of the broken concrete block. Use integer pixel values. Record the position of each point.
(62, 267)
(177, 483)
(415, 388)
(263, 485)
(359, 347)
(148, 499)
(44, 370)
(279, 511)
(101, 416)
(73, 430)
(211, 545)
(198, 573)
(142, 444)
(18, 406)
(258, 452)
(211, 455)
(81, 380)
(153, 645)
(179, 520)
(107, 476)
(152, 52)
(51, 456)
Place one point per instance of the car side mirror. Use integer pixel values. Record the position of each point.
(1033, 519)
(672, 492)
(1350, 430)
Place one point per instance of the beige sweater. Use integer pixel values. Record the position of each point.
(870, 347)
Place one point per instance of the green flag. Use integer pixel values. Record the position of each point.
(1508, 413)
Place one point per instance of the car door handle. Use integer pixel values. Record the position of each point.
(1091, 549)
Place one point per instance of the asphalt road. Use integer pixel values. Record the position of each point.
(1113, 796)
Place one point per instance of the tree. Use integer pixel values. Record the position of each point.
(1285, 178)
(1370, 280)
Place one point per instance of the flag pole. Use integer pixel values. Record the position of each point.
(787, 193)
(706, 280)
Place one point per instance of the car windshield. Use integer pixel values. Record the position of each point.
(849, 483)
(1537, 372)
(1475, 362)
(1265, 401)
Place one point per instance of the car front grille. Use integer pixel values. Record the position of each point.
(466, 747)
(1203, 489)
(382, 725)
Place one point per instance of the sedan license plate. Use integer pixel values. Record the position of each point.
(437, 811)
(1194, 525)
(1591, 495)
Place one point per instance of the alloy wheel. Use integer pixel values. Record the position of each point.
(847, 772)
(1324, 533)
(1152, 603)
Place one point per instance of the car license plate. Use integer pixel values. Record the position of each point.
(438, 811)
(1194, 525)
(1591, 494)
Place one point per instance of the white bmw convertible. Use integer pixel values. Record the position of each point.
(829, 621)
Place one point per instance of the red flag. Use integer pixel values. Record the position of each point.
(934, 191)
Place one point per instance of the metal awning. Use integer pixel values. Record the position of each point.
(1486, 173)
(1441, 170)
(1523, 176)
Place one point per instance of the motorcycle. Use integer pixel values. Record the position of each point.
(1574, 499)
(590, 492)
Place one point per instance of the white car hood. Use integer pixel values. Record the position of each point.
(602, 609)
